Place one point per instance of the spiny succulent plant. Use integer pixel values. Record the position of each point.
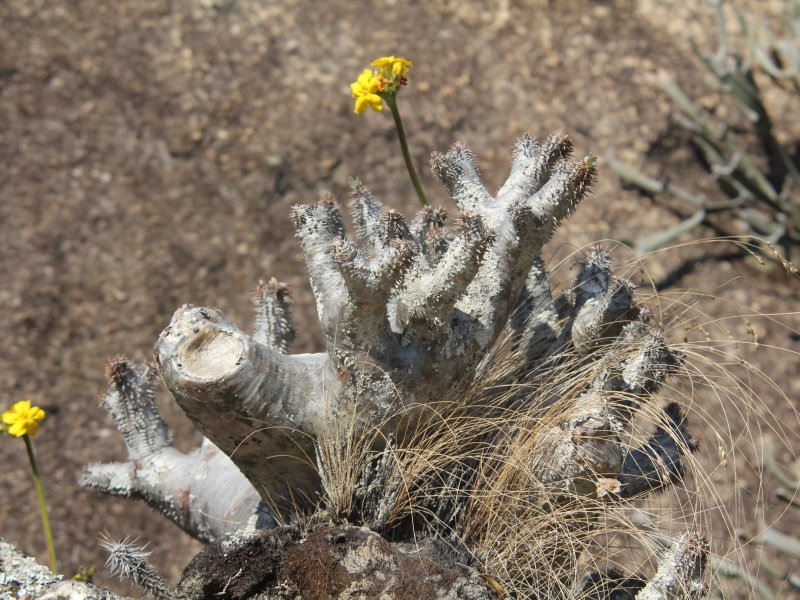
(457, 397)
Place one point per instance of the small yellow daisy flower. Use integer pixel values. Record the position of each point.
(395, 64)
(23, 419)
(365, 90)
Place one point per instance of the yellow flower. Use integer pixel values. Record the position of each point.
(23, 418)
(396, 65)
(365, 90)
(374, 86)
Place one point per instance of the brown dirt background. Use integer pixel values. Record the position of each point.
(150, 151)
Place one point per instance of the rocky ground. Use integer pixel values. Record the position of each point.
(151, 150)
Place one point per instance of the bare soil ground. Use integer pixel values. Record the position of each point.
(150, 151)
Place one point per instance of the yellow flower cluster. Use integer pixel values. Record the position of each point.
(373, 85)
(365, 91)
(23, 418)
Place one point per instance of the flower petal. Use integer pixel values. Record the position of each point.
(17, 429)
(375, 102)
(361, 104)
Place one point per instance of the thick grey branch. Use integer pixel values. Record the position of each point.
(259, 406)
(203, 492)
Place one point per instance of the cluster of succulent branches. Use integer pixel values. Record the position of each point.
(477, 471)
(761, 188)
(458, 396)
(710, 362)
(715, 381)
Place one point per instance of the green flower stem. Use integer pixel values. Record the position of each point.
(391, 100)
(48, 532)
